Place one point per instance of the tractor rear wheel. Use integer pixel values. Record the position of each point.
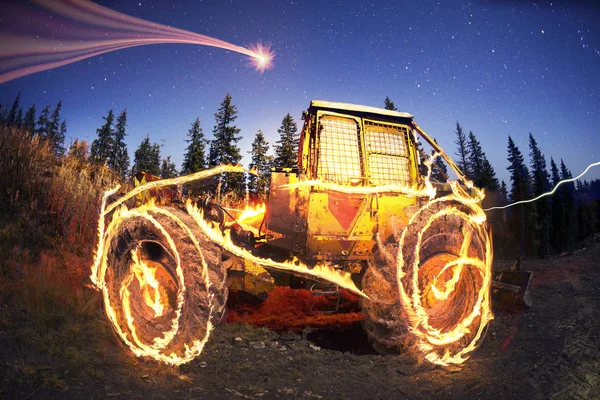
(429, 293)
(164, 285)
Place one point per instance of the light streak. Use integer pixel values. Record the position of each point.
(73, 30)
(550, 193)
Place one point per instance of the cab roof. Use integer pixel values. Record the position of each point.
(355, 108)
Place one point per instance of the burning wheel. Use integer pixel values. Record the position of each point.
(430, 292)
(163, 283)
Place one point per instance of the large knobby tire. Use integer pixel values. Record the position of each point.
(190, 276)
(412, 317)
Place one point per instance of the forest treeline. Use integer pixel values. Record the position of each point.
(551, 225)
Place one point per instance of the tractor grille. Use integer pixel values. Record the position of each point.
(339, 149)
(388, 155)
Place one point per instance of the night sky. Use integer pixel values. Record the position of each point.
(497, 67)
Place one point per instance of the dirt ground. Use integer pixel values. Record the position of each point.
(551, 350)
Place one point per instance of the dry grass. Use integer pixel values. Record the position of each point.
(49, 209)
(45, 200)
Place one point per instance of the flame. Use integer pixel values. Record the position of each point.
(149, 285)
(250, 213)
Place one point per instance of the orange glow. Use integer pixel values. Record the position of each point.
(149, 285)
(250, 214)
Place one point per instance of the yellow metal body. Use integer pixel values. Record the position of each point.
(347, 146)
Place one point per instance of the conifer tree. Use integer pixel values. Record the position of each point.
(286, 149)
(224, 150)
(102, 146)
(558, 210)
(482, 172)
(43, 123)
(502, 194)
(555, 174)
(119, 161)
(521, 218)
(475, 159)
(19, 118)
(258, 186)
(569, 217)
(12, 114)
(439, 171)
(29, 120)
(519, 174)
(389, 104)
(167, 168)
(54, 135)
(147, 157)
(462, 151)
(540, 184)
(194, 159)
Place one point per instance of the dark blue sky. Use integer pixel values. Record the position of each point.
(497, 67)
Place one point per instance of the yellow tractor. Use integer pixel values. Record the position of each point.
(360, 212)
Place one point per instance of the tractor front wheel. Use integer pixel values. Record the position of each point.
(429, 293)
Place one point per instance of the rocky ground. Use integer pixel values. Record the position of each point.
(548, 351)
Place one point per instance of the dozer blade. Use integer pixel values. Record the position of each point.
(512, 288)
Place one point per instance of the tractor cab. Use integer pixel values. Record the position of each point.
(317, 209)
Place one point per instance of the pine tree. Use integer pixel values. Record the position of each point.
(474, 159)
(43, 123)
(194, 159)
(258, 186)
(519, 174)
(286, 149)
(54, 134)
(488, 176)
(12, 115)
(569, 217)
(558, 210)
(102, 146)
(439, 170)
(462, 151)
(554, 172)
(147, 157)
(389, 104)
(540, 184)
(223, 149)
(167, 168)
(502, 194)
(19, 118)
(482, 172)
(522, 218)
(29, 120)
(120, 160)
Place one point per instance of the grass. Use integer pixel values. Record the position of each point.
(48, 220)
